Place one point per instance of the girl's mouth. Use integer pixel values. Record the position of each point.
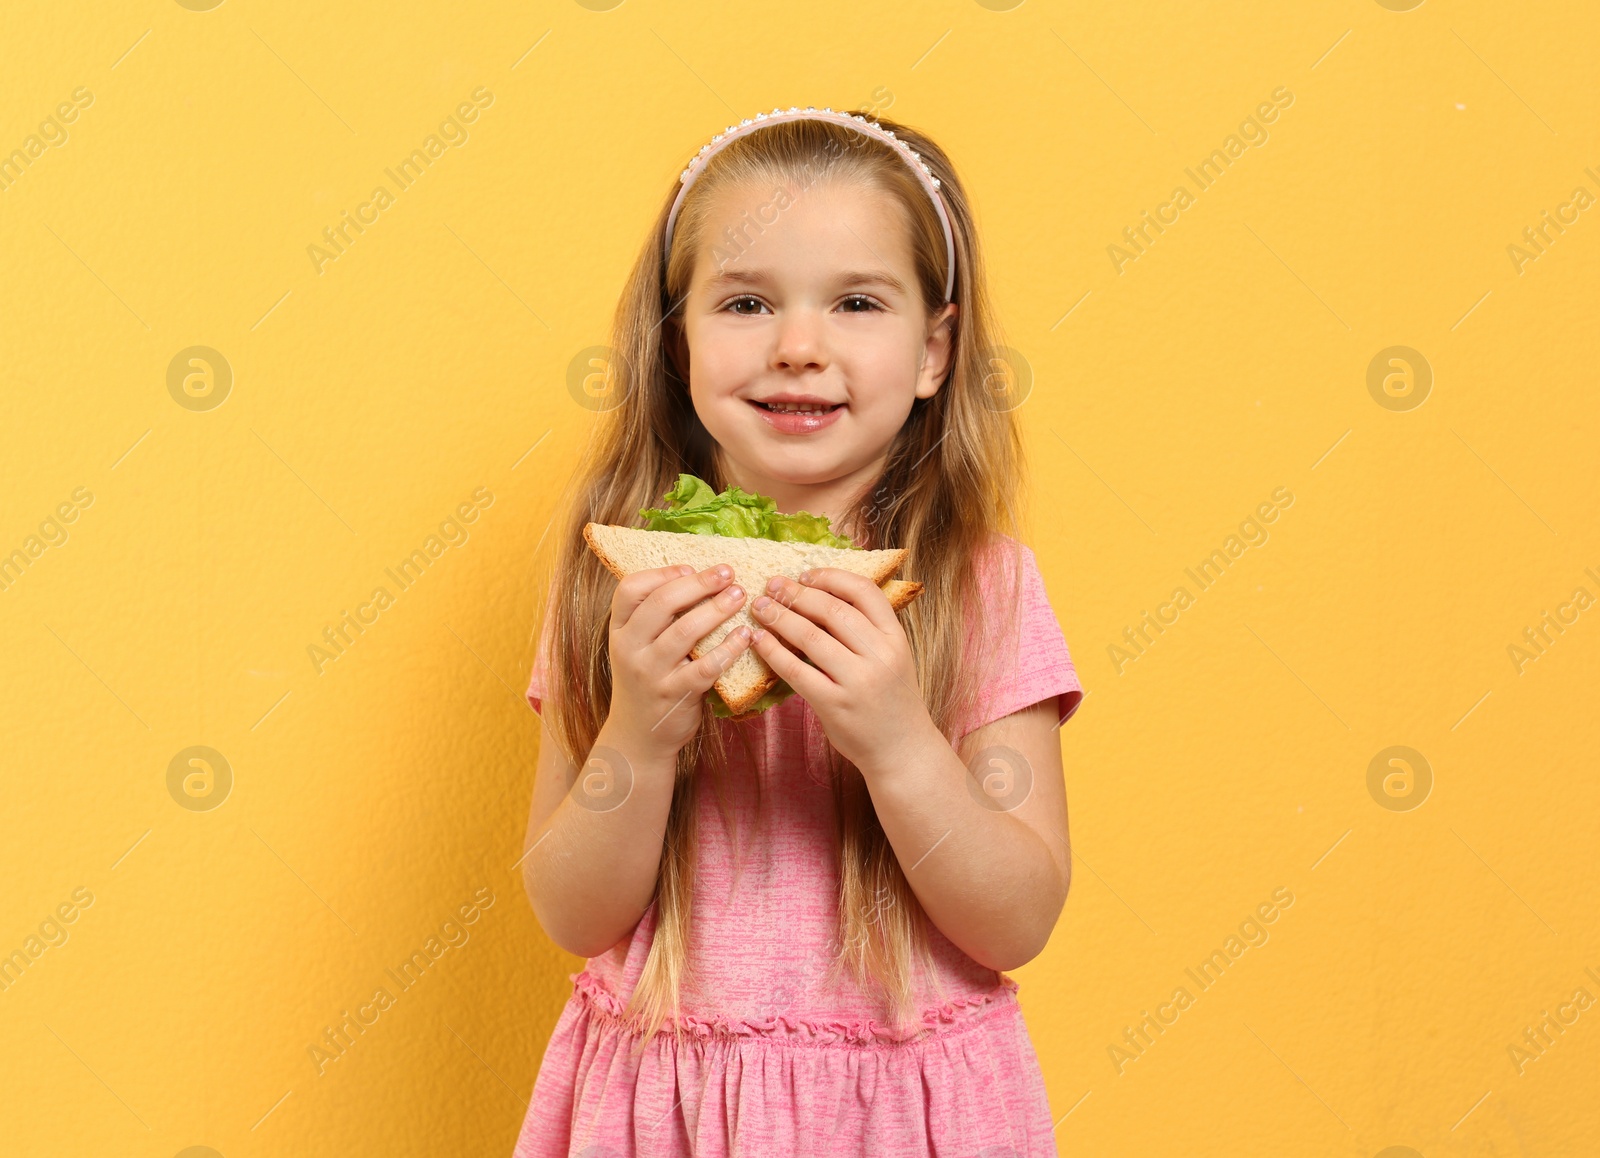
(791, 419)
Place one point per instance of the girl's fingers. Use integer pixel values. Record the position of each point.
(839, 620)
(806, 680)
(634, 589)
(649, 605)
(859, 592)
(801, 633)
(698, 622)
(705, 670)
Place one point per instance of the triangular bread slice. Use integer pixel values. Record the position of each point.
(625, 550)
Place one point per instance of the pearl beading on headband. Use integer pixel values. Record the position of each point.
(930, 183)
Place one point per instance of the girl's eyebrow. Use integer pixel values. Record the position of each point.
(734, 277)
(878, 277)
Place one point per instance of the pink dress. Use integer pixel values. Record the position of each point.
(779, 1062)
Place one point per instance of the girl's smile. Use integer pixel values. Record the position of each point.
(794, 413)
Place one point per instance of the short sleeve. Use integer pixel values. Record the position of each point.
(1026, 660)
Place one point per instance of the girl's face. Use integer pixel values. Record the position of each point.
(811, 300)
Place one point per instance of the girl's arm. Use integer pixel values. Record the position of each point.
(993, 880)
(589, 873)
(990, 868)
(593, 848)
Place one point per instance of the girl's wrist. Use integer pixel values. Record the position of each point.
(640, 747)
(623, 774)
(905, 758)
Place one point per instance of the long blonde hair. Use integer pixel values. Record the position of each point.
(949, 490)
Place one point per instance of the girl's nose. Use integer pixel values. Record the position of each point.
(801, 344)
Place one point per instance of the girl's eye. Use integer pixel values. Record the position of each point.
(863, 301)
(736, 302)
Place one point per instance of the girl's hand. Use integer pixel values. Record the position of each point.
(863, 686)
(657, 691)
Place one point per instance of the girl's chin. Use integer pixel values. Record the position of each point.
(791, 463)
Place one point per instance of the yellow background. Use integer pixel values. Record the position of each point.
(372, 799)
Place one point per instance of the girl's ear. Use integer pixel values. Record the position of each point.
(937, 351)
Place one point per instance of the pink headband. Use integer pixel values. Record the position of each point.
(924, 174)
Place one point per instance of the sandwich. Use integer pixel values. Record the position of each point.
(701, 528)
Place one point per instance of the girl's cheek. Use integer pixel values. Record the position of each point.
(721, 370)
(713, 371)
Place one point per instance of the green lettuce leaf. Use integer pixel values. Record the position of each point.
(692, 507)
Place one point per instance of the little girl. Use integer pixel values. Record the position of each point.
(797, 923)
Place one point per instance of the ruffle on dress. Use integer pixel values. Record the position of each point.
(966, 1085)
(593, 992)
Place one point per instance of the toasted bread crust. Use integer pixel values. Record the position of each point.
(600, 553)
